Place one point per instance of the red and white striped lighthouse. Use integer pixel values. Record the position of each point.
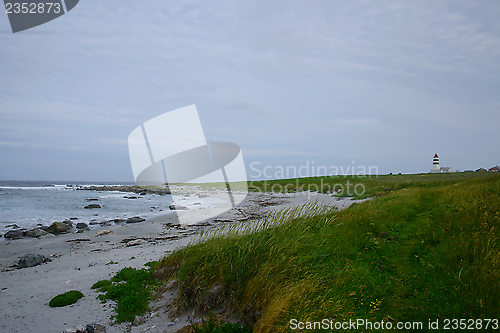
(435, 164)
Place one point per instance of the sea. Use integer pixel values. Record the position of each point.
(29, 204)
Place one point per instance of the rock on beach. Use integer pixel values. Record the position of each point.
(82, 226)
(92, 206)
(177, 207)
(14, 234)
(38, 233)
(58, 228)
(135, 219)
(31, 259)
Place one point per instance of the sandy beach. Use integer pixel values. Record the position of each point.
(80, 260)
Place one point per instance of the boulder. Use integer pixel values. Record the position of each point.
(13, 226)
(82, 226)
(92, 206)
(14, 234)
(139, 320)
(36, 233)
(58, 228)
(135, 219)
(31, 259)
(92, 199)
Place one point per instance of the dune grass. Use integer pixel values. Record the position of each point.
(430, 251)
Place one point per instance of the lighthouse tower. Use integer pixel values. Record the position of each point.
(435, 164)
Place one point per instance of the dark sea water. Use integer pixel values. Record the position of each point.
(29, 203)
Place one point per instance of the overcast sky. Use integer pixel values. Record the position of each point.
(337, 83)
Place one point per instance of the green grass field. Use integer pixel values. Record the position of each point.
(363, 186)
(426, 247)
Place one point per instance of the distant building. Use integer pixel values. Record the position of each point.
(435, 164)
(481, 170)
(494, 169)
(436, 168)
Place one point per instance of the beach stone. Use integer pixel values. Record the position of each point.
(92, 199)
(82, 226)
(92, 206)
(139, 320)
(68, 223)
(14, 234)
(13, 226)
(177, 207)
(104, 232)
(201, 196)
(58, 228)
(36, 233)
(31, 259)
(47, 235)
(81, 329)
(135, 219)
(135, 242)
(95, 328)
(98, 328)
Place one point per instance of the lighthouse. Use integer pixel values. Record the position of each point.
(435, 164)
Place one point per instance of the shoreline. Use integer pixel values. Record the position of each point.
(111, 202)
(79, 260)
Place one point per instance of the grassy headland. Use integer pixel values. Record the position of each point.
(363, 186)
(425, 247)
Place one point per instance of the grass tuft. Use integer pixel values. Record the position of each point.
(65, 299)
(131, 289)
